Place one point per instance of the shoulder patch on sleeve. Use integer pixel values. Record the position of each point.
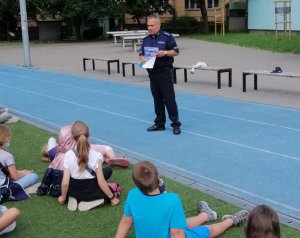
(167, 33)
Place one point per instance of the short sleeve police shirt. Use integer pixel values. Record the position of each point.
(162, 41)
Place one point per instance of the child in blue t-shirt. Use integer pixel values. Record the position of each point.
(156, 214)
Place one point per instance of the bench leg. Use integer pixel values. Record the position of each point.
(84, 66)
(123, 69)
(108, 67)
(133, 69)
(219, 79)
(244, 82)
(230, 78)
(229, 71)
(174, 76)
(185, 75)
(113, 61)
(93, 64)
(118, 66)
(255, 81)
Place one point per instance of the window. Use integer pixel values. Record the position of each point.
(191, 5)
(212, 3)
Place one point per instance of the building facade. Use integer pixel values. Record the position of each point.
(261, 15)
(234, 13)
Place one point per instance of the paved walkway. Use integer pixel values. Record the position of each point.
(67, 57)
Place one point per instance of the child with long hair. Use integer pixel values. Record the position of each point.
(55, 151)
(25, 178)
(84, 180)
(262, 222)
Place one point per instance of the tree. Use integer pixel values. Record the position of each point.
(10, 14)
(9, 10)
(204, 16)
(79, 10)
(142, 8)
(49, 8)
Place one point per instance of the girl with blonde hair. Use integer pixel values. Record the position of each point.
(84, 179)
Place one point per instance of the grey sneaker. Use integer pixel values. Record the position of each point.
(203, 207)
(238, 218)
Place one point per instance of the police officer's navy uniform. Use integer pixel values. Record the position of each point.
(161, 78)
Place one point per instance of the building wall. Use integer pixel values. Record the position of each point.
(261, 15)
(179, 6)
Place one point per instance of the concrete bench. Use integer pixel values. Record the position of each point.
(132, 63)
(257, 72)
(135, 39)
(116, 34)
(109, 61)
(219, 70)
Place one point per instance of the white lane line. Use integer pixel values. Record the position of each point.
(184, 108)
(145, 121)
(201, 178)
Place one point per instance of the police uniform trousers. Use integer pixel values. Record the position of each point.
(162, 89)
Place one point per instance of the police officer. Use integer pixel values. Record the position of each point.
(162, 45)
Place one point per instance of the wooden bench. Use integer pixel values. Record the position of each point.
(219, 70)
(109, 61)
(132, 63)
(256, 72)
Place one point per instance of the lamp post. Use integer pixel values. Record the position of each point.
(25, 37)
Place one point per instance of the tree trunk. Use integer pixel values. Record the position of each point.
(203, 10)
(77, 23)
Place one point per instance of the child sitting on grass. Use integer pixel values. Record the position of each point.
(84, 181)
(8, 219)
(53, 150)
(156, 214)
(9, 174)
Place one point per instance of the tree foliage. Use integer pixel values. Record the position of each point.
(142, 8)
(10, 10)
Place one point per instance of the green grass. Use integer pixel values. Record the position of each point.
(260, 41)
(263, 41)
(44, 217)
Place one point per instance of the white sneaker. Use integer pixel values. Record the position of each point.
(72, 204)
(33, 188)
(85, 206)
(13, 119)
(51, 143)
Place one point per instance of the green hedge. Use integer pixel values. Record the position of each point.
(182, 25)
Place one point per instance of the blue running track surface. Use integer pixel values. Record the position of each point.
(248, 150)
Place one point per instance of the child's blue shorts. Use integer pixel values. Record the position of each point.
(199, 232)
